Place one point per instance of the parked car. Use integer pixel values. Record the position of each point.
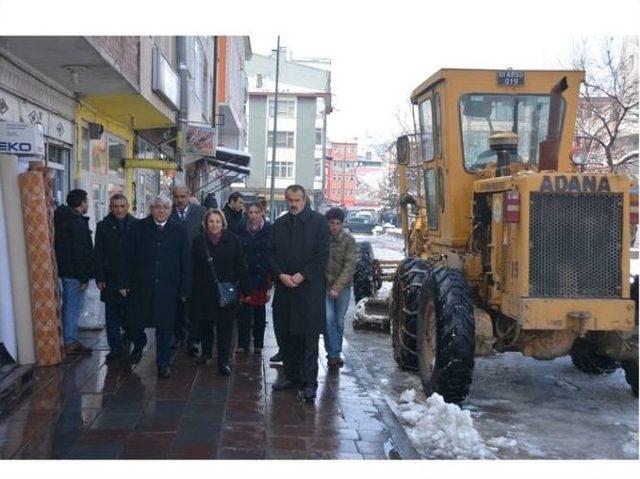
(358, 224)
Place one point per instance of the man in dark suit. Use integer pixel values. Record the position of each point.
(233, 211)
(190, 216)
(110, 268)
(159, 277)
(298, 251)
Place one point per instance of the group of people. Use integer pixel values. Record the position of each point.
(188, 271)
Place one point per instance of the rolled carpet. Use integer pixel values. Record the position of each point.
(45, 308)
(7, 316)
(17, 258)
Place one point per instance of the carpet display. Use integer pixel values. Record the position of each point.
(45, 306)
(7, 318)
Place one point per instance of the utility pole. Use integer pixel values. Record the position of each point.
(275, 134)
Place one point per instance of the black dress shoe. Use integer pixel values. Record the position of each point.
(309, 393)
(277, 358)
(286, 384)
(164, 373)
(225, 370)
(136, 356)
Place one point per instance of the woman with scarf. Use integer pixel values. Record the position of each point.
(225, 249)
(252, 313)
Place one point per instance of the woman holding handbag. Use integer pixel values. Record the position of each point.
(254, 235)
(219, 277)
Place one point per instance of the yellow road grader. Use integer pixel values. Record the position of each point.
(510, 246)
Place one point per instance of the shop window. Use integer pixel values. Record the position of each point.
(116, 154)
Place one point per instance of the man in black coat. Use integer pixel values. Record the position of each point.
(233, 211)
(74, 252)
(190, 216)
(298, 254)
(159, 276)
(110, 267)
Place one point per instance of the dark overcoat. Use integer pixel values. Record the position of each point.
(110, 256)
(192, 220)
(299, 244)
(73, 245)
(158, 274)
(229, 262)
(255, 251)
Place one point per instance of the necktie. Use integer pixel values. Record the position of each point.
(181, 213)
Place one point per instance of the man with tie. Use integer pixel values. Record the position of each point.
(190, 216)
(110, 265)
(158, 279)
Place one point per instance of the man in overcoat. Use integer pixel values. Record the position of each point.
(110, 268)
(159, 276)
(298, 254)
(190, 216)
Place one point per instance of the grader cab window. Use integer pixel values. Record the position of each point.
(482, 115)
(426, 129)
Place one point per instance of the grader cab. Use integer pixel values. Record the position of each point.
(510, 247)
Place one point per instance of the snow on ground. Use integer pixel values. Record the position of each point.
(521, 407)
(440, 430)
(384, 246)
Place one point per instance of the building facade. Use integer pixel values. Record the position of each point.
(304, 101)
(341, 180)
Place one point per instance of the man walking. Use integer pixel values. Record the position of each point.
(74, 250)
(233, 211)
(110, 267)
(298, 253)
(342, 263)
(159, 276)
(190, 216)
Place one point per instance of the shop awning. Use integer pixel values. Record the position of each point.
(231, 156)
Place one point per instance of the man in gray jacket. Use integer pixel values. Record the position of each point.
(342, 263)
(190, 216)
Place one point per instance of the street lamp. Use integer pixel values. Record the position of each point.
(275, 134)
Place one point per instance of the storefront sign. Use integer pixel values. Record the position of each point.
(166, 82)
(200, 140)
(21, 139)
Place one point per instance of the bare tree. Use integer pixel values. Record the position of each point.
(607, 120)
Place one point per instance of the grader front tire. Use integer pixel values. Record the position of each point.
(446, 335)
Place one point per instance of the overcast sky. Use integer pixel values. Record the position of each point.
(380, 50)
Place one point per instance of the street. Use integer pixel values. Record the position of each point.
(517, 408)
(522, 408)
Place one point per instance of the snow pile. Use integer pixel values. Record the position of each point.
(440, 430)
(385, 290)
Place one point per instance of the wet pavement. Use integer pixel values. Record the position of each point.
(88, 409)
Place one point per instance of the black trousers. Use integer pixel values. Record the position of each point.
(251, 319)
(223, 325)
(300, 359)
(184, 327)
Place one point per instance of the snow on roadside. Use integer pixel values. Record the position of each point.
(442, 431)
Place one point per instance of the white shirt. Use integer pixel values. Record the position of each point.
(160, 224)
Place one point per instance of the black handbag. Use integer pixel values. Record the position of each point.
(227, 291)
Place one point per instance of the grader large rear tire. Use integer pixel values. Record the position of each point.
(363, 276)
(405, 303)
(588, 361)
(446, 335)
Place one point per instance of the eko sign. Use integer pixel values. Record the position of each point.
(21, 139)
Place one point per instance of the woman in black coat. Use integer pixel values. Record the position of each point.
(254, 234)
(226, 251)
